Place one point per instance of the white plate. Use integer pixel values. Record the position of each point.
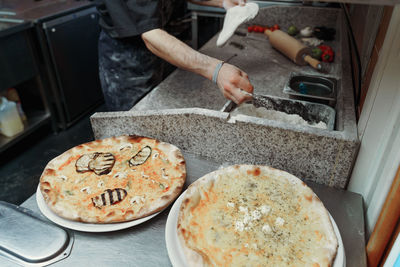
(175, 251)
(85, 227)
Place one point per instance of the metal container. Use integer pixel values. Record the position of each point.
(318, 112)
(30, 241)
(312, 88)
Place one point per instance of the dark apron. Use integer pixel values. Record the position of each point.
(127, 70)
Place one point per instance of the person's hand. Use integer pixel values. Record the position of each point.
(231, 80)
(231, 3)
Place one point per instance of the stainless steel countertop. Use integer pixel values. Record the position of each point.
(144, 244)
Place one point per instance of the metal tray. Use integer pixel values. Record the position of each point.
(317, 111)
(309, 87)
(30, 241)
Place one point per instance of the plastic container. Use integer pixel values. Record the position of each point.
(10, 121)
(12, 95)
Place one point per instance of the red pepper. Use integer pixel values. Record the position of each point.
(325, 48)
(327, 53)
(327, 56)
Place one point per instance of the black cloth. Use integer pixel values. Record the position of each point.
(127, 69)
(126, 18)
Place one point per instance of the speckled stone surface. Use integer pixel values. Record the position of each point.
(169, 114)
(309, 153)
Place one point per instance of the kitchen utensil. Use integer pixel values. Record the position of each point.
(283, 105)
(292, 48)
(313, 88)
(30, 241)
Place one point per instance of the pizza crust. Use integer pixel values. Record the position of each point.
(191, 199)
(208, 196)
(150, 187)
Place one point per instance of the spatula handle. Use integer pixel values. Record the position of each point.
(246, 93)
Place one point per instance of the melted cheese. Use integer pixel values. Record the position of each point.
(230, 205)
(120, 175)
(260, 220)
(100, 184)
(266, 228)
(86, 190)
(137, 200)
(63, 177)
(279, 221)
(125, 146)
(164, 174)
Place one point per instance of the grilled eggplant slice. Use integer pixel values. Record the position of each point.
(140, 157)
(82, 164)
(102, 163)
(98, 162)
(109, 197)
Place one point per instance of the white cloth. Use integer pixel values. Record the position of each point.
(233, 18)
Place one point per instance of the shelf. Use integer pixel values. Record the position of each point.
(35, 119)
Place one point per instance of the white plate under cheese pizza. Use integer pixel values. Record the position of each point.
(247, 215)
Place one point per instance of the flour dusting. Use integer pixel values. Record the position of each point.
(261, 112)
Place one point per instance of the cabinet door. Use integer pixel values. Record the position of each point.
(16, 62)
(72, 41)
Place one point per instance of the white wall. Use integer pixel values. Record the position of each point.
(379, 128)
(393, 260)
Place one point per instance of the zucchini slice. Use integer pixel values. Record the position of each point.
(140, 157)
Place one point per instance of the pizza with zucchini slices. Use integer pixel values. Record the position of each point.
(246, 215)
(115, 179)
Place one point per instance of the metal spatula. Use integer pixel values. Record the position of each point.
(283, 105)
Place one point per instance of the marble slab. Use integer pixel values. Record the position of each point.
(309, 153)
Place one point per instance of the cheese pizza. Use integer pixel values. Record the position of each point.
(115, 179)
(246, 215)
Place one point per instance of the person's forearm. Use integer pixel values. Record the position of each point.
(219, 3)
(178, 53)
(229, 79)
(216, 3)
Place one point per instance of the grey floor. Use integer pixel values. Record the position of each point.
(22, 165)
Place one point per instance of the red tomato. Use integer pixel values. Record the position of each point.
(250, 28)
(276, 27)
